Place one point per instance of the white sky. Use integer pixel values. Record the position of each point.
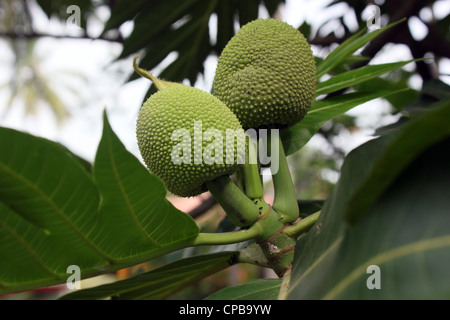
(105, 86)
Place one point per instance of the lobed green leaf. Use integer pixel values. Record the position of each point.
(134, 205)
(54, 213)
(48, 205)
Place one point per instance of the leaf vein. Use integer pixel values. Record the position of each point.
(401, 251)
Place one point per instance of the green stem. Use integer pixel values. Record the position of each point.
(278, 247)
(285, 200)
(252, 179)
(159, 84)
(240, 178)
(227, 237)
(253, 254)
(239, 208)
(302, 226)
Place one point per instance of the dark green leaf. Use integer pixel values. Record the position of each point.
(305, 29)
(261, 289)
(153, 23)
(163, 27)
(53, 215)
(86, 164)
(248, 10)
(273, 5)
(134, 205)
(406, 144)
(403, 228)
(348, 47)
(308, 207)
(406, 234)
(298, 135)
(124, 10)
(59, 9)
(398, 100)
(162, 282)
(432, 91)
(225, 11)
(436, 89)
(48, 205)
(353, 77)
(344, 65)
(191, 41)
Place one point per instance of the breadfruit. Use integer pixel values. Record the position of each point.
(266, 75)
(181, 133)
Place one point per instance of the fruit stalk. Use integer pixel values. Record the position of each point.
(252, 179)
(285, 200)
(266, 228)
(159, 84)
(238, 207)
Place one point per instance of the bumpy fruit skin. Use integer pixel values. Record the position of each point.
(178, 107)
(266, 75)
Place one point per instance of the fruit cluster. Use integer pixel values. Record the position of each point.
(265, 78)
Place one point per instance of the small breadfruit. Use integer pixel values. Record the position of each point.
(266, 75)
(182, 137)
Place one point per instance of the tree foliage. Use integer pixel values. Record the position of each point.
(389, 208)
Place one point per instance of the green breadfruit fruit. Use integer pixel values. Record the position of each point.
(182, 137)
(266, 75)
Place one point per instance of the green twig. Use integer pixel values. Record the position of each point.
(227, 237)
(302, 226)
(159, 84)
(253, 254)
(239, 208)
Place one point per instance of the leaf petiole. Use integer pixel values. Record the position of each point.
(302, 226)
(228, 237)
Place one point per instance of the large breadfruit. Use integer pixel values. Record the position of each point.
(266, 75)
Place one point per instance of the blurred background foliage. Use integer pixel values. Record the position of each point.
(190, 31)
(178, 36)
